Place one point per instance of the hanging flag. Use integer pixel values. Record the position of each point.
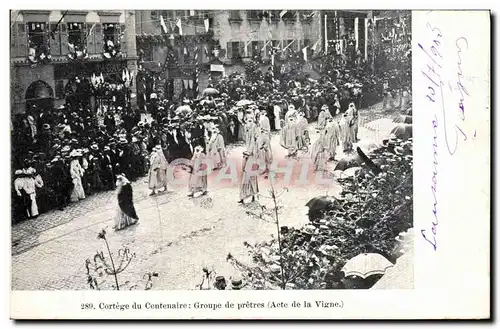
(206, 52)
(304, 52)
(179, 25)
(163, 25)
(207, 24)
(191, 13)
(316, 45)
(282, 13)
(185, 51)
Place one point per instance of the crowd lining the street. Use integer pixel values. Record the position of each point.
(64, 155)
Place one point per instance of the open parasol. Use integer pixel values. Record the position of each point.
(349, 161)
(210, 91)
(321, 203)
(183, 110)
(403, 131)
(244, 102)
(365, 265)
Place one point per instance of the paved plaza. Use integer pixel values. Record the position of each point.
(176, 236)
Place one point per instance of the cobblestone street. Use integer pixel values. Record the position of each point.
(176, 235)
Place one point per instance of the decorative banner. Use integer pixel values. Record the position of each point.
(217, 68)
(304, 52)
(179, 25)
(207, 24)
(163, 25)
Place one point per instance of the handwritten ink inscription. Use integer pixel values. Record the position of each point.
(438, 97)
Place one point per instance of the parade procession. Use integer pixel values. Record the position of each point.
(208, 159)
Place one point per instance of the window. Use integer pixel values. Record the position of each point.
(234, 15)
(253, 15)
(77, 35)
(37, 36)
(235, 49)
(289, 45)
(19, 40)
(94, 38)
(254, 49)
(110, 33)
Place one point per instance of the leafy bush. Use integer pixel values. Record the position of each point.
(371, 212)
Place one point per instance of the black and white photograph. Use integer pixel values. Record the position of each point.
(211, 149)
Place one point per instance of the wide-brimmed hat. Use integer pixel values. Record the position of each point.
(106, 148)
(140, 124)
(46, 126)
(56, 158)
(18, 172)
(94, 147)
(123, 141)
(75, 153)
(66, 149)
(246, 154)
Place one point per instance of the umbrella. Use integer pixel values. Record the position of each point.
(183, 109)
(320, 203)
(210, 91)
(349, 161)
(403, 131)
(403, 119)
(365, 265)
(244, 102)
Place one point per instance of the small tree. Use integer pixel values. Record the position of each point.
(101, 265)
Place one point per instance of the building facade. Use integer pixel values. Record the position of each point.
(188, 48)
(54, 54)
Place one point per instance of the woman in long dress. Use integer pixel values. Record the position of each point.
(249, 183)
(198, 181)
(157, 177)
(76, 176)
(125, 212)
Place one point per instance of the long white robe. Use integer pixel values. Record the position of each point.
(265, 152)
(217, 150)
(251, 134)
(277, 117)
(289, 136)
(76, 172)
(324, 115)
(157, 176)
(332, 138)
(264, 123)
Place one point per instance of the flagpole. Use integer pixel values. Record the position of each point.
(326, 35)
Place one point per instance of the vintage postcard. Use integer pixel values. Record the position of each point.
(250, 164)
